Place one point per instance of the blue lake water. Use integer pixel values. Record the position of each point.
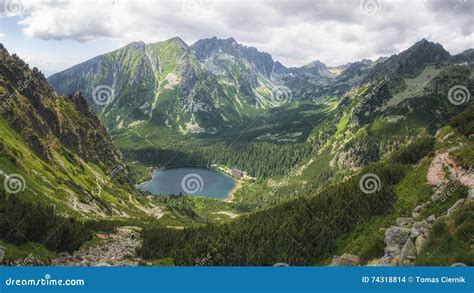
(192, 181)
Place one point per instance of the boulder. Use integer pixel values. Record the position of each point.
(396, 236)
(384, 261)
(423, 227)
(452, 174)
(404, 222)
(419, 243)
(396, 261)
(405, 262)
(392, 250)
(408, 251)
(430, 219)
(63, 254)
(102, 264)
(346, 259)
(417, 209)
(373, 263)
(459, 264)
(455, 206)
(436, 196)
(470, 196)
(414, 232)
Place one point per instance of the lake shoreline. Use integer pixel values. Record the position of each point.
(201, 176)
(230, 197)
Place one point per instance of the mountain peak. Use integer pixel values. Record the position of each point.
(423, 43)
(177, 40)
(208, 48)
(315, 63)
(315, 68)
(216, 42)
(412, 61)
(430, 51)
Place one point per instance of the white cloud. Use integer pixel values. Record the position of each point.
(46, 62)
(294, 32)
(2, 35)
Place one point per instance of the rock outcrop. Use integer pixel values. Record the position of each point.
(406, 239)
(346, 259)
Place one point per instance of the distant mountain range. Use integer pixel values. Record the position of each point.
(216, 83)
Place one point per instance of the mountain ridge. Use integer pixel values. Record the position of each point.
(59, 141)
(216, 84)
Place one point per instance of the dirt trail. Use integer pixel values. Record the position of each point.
(436, 174)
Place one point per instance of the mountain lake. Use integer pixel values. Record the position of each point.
(191, 181)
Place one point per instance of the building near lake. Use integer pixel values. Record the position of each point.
(238, 173)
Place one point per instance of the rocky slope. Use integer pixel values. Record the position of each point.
(58, 148)
(116, 249)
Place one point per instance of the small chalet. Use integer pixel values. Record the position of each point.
(237, 173)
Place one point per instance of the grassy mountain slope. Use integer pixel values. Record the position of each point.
(60, 149)
(160, 85)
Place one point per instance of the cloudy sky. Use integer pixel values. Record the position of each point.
(54, 35)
